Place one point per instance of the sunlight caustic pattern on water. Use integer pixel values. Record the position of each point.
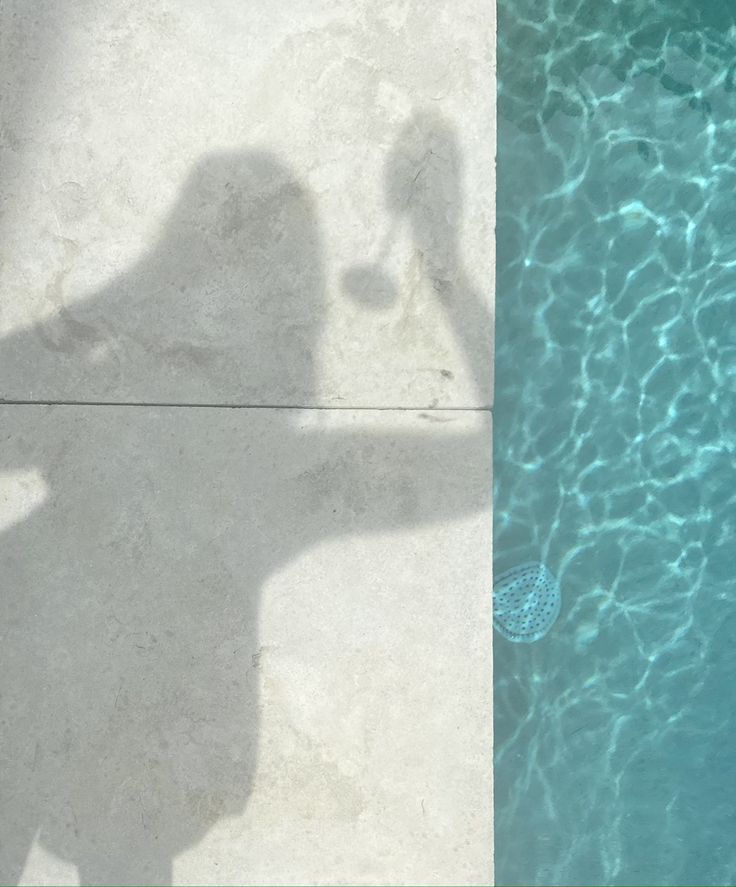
(615, 439)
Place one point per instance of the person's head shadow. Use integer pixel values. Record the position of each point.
(226, 305)
(132, 590)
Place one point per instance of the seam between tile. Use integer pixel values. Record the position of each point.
(242, 406)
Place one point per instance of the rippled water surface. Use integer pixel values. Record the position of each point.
(615, 439)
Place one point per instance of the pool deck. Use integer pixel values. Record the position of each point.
(246, 352)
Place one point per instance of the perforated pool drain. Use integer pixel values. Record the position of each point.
(526, 602)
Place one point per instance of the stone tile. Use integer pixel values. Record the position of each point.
(255, 644)
(229, 202)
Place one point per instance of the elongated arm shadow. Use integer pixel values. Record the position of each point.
(423, 186)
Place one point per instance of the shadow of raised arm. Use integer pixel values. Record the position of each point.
(433, 466)
(423, 183)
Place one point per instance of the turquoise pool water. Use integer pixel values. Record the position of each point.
(615, 439)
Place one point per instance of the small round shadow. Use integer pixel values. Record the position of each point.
(370, 286)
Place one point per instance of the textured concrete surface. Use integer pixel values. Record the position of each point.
(253, 644)
(185, 187)
(256, 643)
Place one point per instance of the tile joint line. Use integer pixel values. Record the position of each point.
(240, 406)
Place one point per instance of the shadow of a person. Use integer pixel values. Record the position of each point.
(130, 711)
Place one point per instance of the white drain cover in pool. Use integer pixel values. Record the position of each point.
(526, 602)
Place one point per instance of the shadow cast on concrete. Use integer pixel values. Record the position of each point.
(130, 715)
